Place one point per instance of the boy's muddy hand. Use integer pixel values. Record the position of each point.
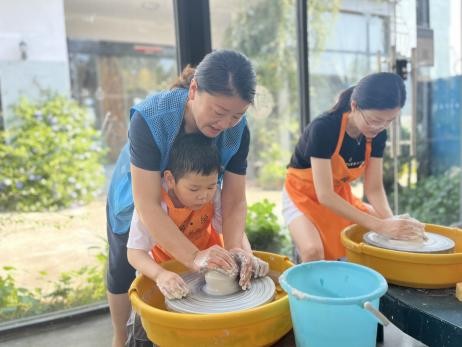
(260, 267)
(171, 285)
(244, 261)
(215, 258)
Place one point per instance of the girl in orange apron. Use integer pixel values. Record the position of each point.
(366, 111)
(300, 187)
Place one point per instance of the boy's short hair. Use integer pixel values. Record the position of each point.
(193, 153)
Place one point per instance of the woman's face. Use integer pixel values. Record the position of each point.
(211, 114)
(372, 122)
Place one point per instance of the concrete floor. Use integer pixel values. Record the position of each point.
(96, 331)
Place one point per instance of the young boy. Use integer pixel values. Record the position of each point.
(191, 198)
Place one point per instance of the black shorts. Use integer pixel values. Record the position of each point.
(120, 274)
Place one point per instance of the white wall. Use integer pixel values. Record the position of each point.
(40, 24)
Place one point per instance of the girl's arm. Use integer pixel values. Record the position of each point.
(373, 188)
(323, 183)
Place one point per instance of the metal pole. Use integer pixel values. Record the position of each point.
(302, 60)
(460, 131)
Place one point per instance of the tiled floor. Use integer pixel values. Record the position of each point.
(96, 332)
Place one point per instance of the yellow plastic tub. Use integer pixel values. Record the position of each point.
(260, 326)
(408, 269)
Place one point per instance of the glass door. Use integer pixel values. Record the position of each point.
(425, 156)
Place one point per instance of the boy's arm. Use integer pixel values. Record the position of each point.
(169, 283)
(138, 245)
(143, 263)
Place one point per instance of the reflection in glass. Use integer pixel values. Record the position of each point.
(265, 32)
(346, 43)
(109, 77)
(428, 176)
(105, 55)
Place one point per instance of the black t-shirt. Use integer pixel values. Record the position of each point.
(320, 138)
(145, 154)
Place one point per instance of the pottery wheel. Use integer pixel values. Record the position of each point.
(435, 243)
(261, 291)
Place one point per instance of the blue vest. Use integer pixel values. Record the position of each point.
(163, 113)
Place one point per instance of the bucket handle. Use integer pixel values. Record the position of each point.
(379, 315)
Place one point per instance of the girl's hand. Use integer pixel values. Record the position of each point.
(171, 285)
(215, 258)
(244, 261)
(402, 228)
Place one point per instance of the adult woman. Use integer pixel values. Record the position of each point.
(335, 149)
(211, 99)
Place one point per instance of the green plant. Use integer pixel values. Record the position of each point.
(51, 157)
(74, 288)
(79, 287)
(16, 302)
(434, 199)
(273, 170)
(262, 227)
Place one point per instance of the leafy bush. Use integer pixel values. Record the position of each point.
(262, 228)
(435, 199)
(273, 169)
(74, 288)
(51, 157)
(16, 302)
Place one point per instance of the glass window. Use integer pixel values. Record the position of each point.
(427, 177)
(331, 72)
(378, 33)
(266, 32)
(348, 44)
(348, 31)
(100, 57)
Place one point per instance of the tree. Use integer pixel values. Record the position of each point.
(266, 32)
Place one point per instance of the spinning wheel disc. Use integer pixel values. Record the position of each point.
(261, 291)
(434, 244)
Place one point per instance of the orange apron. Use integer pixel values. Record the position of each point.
(196, 226)
(300, 187)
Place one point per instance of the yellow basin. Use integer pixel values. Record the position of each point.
(408, 269)
(260, 326)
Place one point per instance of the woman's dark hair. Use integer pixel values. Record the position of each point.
(222, 72)
(377, 91)
(193, 153)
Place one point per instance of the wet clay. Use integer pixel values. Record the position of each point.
(217, 283)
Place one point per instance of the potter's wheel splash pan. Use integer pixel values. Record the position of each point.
(260, 292)
(434, 243)
(408, 269)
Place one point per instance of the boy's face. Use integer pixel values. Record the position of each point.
(192, 190)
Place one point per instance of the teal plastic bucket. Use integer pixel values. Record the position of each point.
(334, 303)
